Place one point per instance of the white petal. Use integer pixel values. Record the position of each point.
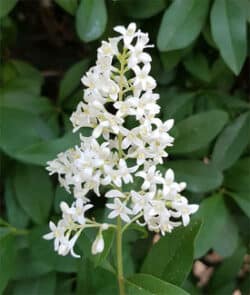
(120, 29)
(114, 194)
(49, 236)
(185, 219)
(113, 214)
(125, 217)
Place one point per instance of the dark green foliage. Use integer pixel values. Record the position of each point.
(201, 64)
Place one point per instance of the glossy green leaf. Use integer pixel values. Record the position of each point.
(91, 19)
(27, 70)
(68, 5)
(142, 8)
(217, 223)
(23, 100)
(181, 24)
(145, 284)
(42, 285)
(31, 128)
(200, 177)
(171, 258)
(237, 177)
(176, 106)
(24, 77)
(171, 59)
(197, 131)
(71, 79)
(95, 280)
(227, 270)
(35, 267)
(243, 201)
(15, 214)
(41, 152)
(232, 142)
(6, 6)
(34, 191)
(4, 231)
(228, 24)
(197, 65)
(7, 259)
(42, 251)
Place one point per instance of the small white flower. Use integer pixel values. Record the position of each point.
(184, 210)
(57, 233)
(151, 178)
(125, 172)
(141, 201)
(142, 79)
(128, 34)
(77, 211)
(119, 209)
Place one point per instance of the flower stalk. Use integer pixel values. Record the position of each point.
(120, 275)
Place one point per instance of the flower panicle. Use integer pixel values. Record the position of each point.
(118, 87)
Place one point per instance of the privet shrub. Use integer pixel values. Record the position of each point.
(200, 64)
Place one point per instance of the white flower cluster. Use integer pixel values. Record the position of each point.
(119, 87)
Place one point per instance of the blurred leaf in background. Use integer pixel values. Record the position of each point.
(201, 63)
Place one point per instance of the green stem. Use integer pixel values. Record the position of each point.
(120, 276)
(119, 256)
(131, 221)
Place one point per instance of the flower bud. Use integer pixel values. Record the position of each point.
(98, 245)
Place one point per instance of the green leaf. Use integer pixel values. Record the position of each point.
(41, 152)
(197, 131)
(217, 223)
(171, 258)
(227, 271)
(23, 77)
(15, 214)
(30, 128)
(68, 5)
(6, 6)
(42, 251)
(22, 100)
(176, 106)
(142, 8)
(25, 69)
(71, 79)
(232, 142)
(171, 59)
(4, 231)
(226, 246)
(197, 65)
(181, 24)
(34, 191)
(243, 201)
(38, 286)
(145, 284)
(35, 267)
(228, 25)
(91, 19)
(7, 259)
(92, 280)
(200, 177)
(237, 177)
